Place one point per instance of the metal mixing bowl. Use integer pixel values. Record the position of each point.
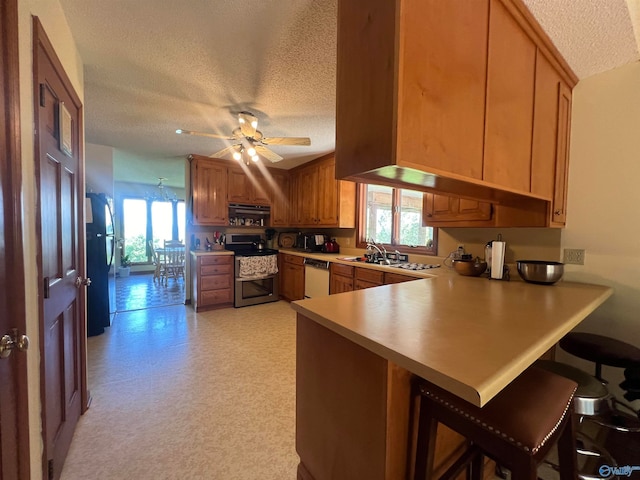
(540, 271)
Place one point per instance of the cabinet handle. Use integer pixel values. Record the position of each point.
(429, 215)
(558, 212)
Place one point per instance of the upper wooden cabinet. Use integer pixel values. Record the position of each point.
(318, 199)
(446, 97)
(209, 192)
(279, 196)
(447, 211)
(247, 186)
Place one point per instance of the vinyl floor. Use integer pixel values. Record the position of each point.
(138, 291)
(184, 395)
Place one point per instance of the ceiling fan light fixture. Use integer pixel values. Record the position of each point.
(254, 124)
(252, 152)
(179, 131)
(255, 158)
(237, 155)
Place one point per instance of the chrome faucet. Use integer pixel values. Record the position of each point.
(383, 253)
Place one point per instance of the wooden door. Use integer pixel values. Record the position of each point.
(14, 422)
(328, 207)
(559, 207)
(209, 192)
(239, 189)
(443, 48)
(510, 95)
(308, 195)
(60, 227)
(545, 128)
(280, 200)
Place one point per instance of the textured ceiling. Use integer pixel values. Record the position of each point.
(154, 66)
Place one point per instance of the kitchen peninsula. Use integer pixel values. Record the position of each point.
(358, 351)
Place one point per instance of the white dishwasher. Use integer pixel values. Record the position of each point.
(316, 278)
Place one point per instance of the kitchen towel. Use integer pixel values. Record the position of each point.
(258, 266)
(497, 259)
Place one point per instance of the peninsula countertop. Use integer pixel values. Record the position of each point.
(471, 336)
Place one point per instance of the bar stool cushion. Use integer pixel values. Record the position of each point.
(526, 413)
(601, 349)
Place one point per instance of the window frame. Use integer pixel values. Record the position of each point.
(149, 203)
(361, 241)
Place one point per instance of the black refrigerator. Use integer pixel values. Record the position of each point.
(100, 251)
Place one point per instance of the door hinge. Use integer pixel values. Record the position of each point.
(50, 471)
(42, 95)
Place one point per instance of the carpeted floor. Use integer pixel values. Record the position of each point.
(180, 395)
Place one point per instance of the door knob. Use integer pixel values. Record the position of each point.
(9, 343)
(83, 281)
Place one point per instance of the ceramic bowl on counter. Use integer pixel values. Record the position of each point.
(541, 272)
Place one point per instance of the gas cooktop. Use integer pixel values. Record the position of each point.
(416, 266)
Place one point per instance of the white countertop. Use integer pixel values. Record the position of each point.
(469, 335)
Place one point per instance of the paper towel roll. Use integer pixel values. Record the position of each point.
(497, 259)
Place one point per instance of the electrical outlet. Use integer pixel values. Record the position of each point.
(574, 256)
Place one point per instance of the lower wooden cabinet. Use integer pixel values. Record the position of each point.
(211, 281)
(341, 278)
(345, 278)
(291, 277)
(396, 278)
(366, 278)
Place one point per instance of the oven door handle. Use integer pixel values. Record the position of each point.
(264, 277)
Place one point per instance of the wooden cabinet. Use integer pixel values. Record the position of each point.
(291, 277)
(509, 101)
(319, 199)
(446, 211)
(462, 80)
(367, 278)
(209, 191)
(345, 278)
(212, 281)
(279, 198)
(551, 129)
(396, 278)
(247, 186)
(341, 278)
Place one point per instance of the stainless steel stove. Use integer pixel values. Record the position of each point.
(253, 288)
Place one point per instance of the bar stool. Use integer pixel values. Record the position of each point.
(592, 401)
(517, 428)
(601, 350)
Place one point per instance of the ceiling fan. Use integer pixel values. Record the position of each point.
(248, 139)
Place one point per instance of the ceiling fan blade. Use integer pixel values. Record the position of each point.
(303, 141)
(202, 134)
(223, 152)
(248, 124)
(268, 154)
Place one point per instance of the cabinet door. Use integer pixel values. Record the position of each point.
(209, 193)
(397, 278)
(510, 94)
(545, 128)
(327, 197)
(559, 206)
(443, 208)
(443, 48)
(340, 284)
(279, 194)
(260, 189)
(238, 186)
(292, 281)
(308, 196)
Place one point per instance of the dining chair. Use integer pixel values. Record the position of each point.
(174, 256)
(157, 272)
